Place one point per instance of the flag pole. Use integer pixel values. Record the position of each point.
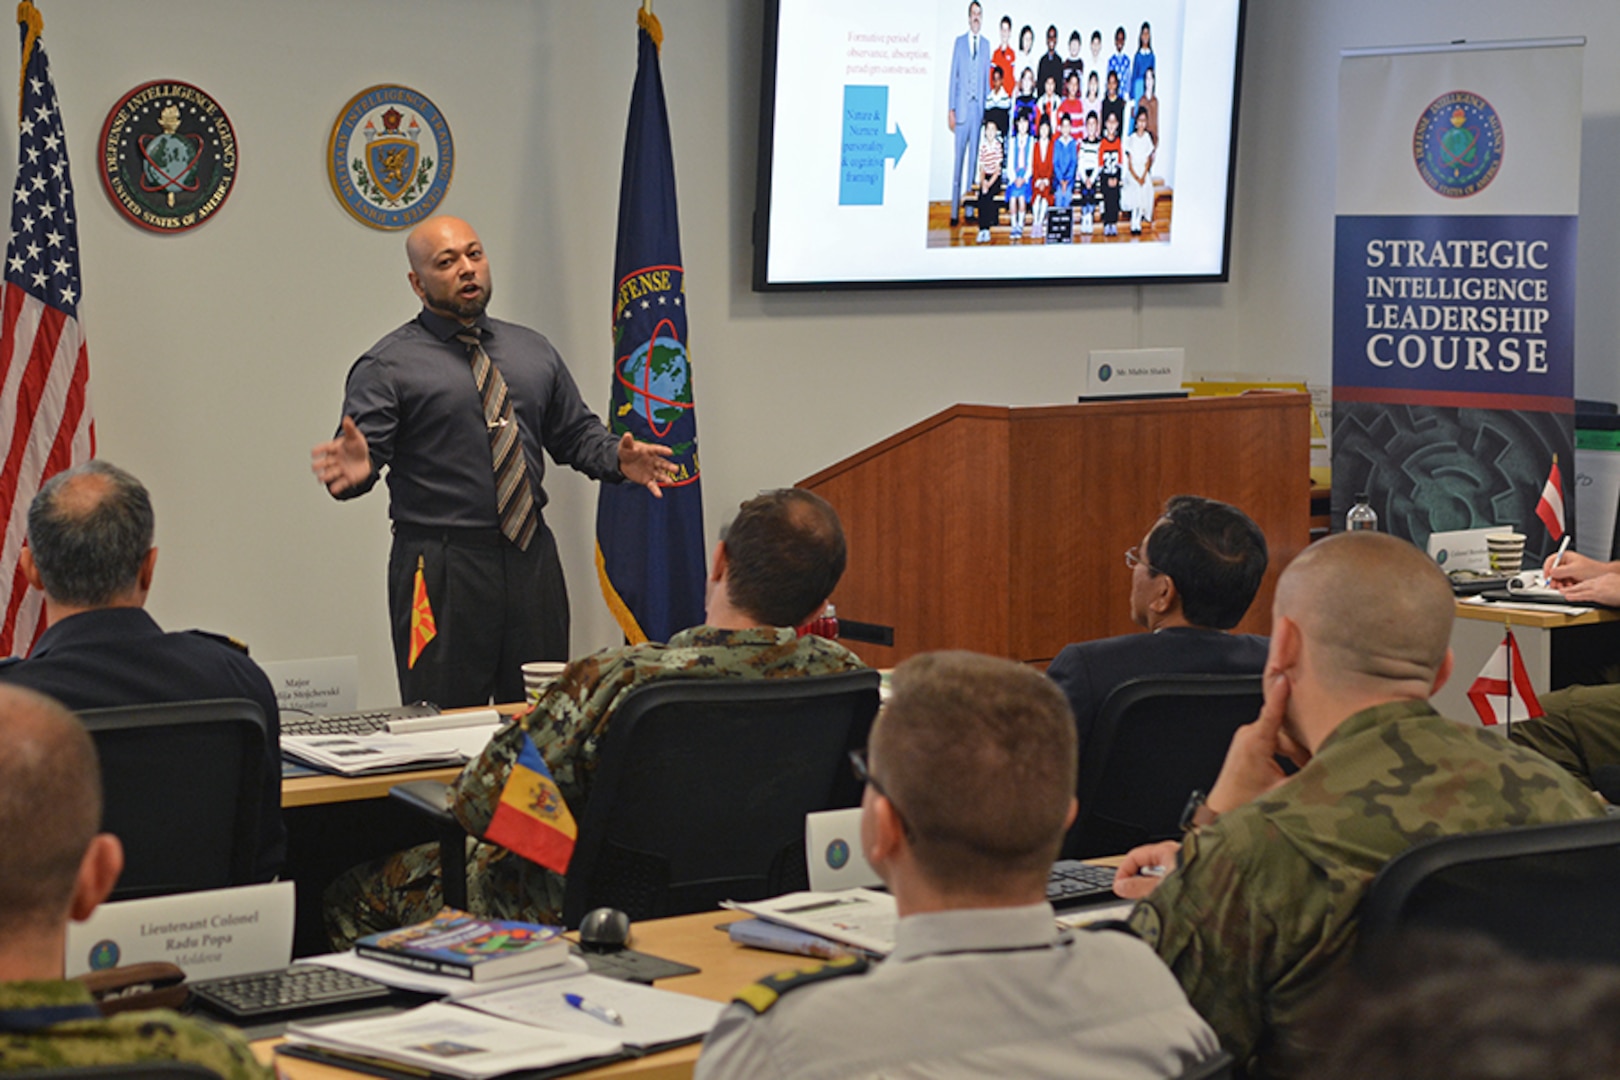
(1507, 640)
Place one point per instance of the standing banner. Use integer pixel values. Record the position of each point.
(1454, 285)
(649, 552)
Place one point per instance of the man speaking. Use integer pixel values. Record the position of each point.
(458, 407)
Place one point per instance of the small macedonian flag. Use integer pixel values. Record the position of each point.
(532, 818)
(422, 628)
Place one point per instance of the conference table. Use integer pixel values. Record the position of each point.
(1558, 648)
(725, 967)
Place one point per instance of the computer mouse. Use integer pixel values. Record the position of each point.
(604, 929)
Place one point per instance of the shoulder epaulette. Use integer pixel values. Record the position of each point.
(765, 993)
(223, 639)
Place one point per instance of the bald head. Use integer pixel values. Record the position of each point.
(449, 272)
(1375, 609)
(89, 532)
(50, 809)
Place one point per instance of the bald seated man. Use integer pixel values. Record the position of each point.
(1259, 905)
(458, 407)
(969, 788)
(55, 867)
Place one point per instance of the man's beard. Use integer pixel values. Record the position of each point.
(463, 309)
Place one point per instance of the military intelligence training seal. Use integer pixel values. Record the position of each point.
(1458, 144)
(390, 157)
(168, 156)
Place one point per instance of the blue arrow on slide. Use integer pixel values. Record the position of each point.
(867, 143)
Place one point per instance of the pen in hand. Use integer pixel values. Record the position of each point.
(591, 1008)
(1557, 561)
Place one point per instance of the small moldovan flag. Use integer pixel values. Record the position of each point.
(1551, 507)
(1502, 692)
(532, 819)
(422, 628)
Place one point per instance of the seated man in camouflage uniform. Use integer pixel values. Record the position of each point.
(1262, 905)
(969, 790)
(54, 866)
(774, 568)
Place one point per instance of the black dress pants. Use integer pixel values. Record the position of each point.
(495, 608)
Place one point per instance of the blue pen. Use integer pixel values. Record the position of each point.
(590, 1008)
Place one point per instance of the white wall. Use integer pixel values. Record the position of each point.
(218, 357)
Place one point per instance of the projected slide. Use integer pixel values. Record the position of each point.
(921, 141)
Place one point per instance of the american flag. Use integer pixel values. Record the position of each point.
(45, 422)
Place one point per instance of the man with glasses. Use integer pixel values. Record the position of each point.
(1193, 577)
(775, 566)
(969, 788)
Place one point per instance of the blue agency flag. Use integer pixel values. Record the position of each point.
(649, 552)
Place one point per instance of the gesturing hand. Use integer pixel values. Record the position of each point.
(646, 464)
(343, 462)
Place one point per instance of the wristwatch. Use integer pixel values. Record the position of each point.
(1197, 811)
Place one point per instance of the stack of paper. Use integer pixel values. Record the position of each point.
(451, 1040)
(514, 1024)
(357, 755)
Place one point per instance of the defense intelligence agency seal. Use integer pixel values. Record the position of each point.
(168, 156)
(1458, 144)
(390, 157)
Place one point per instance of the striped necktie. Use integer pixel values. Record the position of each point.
(514, 501)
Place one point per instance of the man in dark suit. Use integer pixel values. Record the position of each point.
(970, 81)
(1193, 577)
(90, 549)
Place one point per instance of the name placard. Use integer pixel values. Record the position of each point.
(1134, 372)
(206, 934)
(324, 685)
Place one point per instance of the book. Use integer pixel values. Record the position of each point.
(468, 947)
(859, 917)
(759, 934)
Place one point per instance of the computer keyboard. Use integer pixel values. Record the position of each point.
(363, 722)
(292, 990)
(1072, 883)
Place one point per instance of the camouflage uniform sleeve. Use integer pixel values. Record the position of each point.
(155, 1035)
(1580, 729)
(1205, 924)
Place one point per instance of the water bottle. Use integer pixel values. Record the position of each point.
(1361, 516)
(826, 624)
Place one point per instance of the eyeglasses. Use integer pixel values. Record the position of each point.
(1133, 557)
(863, 775)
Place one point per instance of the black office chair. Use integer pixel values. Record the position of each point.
(183, 787)
(1154, 742)
(700, 794)
(1545, 891)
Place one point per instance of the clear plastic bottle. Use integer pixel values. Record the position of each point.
(1361, 516)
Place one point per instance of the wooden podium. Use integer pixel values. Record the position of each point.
(1003, 530)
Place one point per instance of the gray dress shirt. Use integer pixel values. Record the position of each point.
(975, 993)
(413, 397)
